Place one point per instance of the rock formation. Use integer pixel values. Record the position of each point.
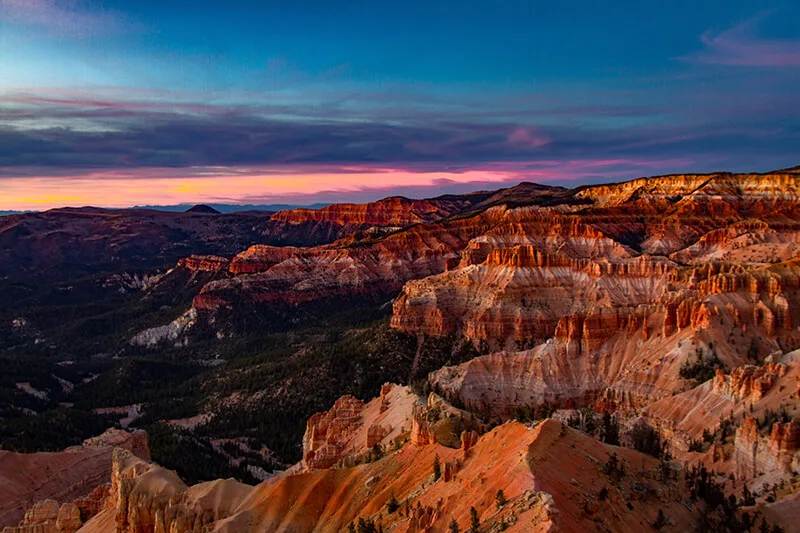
(352, 428)
(205, 263)
(44, 491)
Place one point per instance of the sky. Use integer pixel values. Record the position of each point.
(120, 103)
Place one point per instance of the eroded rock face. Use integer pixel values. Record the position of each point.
(421, 428)
(468, 440)
(133, 441)
(169, 333)
(438, 422)
(778, 451)
(748, 383)
(352, 428)
(145, 498)
(49, 517)
(326, 432)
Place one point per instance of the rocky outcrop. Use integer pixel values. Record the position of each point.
(468, 440)
(49, 517)
(326, 432)
(47, 491)
(260, 258)
(583, 308)
(421, 428)
(352, 428)
(438, 422)
(150, 499)
(505, 292)
(134, 441)
(778, 451)
(169, 333)
(533, 267)
(748, 383)
(205, 263)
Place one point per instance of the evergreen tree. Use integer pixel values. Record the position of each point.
(437, 468)
(475, 523)
(454, 526)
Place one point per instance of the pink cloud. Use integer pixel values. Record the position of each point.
(739, 46)
(527, 138)
(296, 184)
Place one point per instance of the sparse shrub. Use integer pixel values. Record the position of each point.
(392, 505)
(500, 499)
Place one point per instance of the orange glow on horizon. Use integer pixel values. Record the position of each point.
(151, 187)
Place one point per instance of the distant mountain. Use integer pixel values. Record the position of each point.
(231, 208)
(203, 209)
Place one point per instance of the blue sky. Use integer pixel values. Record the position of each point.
(548, 91)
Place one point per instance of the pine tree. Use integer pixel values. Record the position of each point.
(475, 523)
(454, 526)
(437, 468)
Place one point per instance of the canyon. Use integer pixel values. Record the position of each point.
(652, 324)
